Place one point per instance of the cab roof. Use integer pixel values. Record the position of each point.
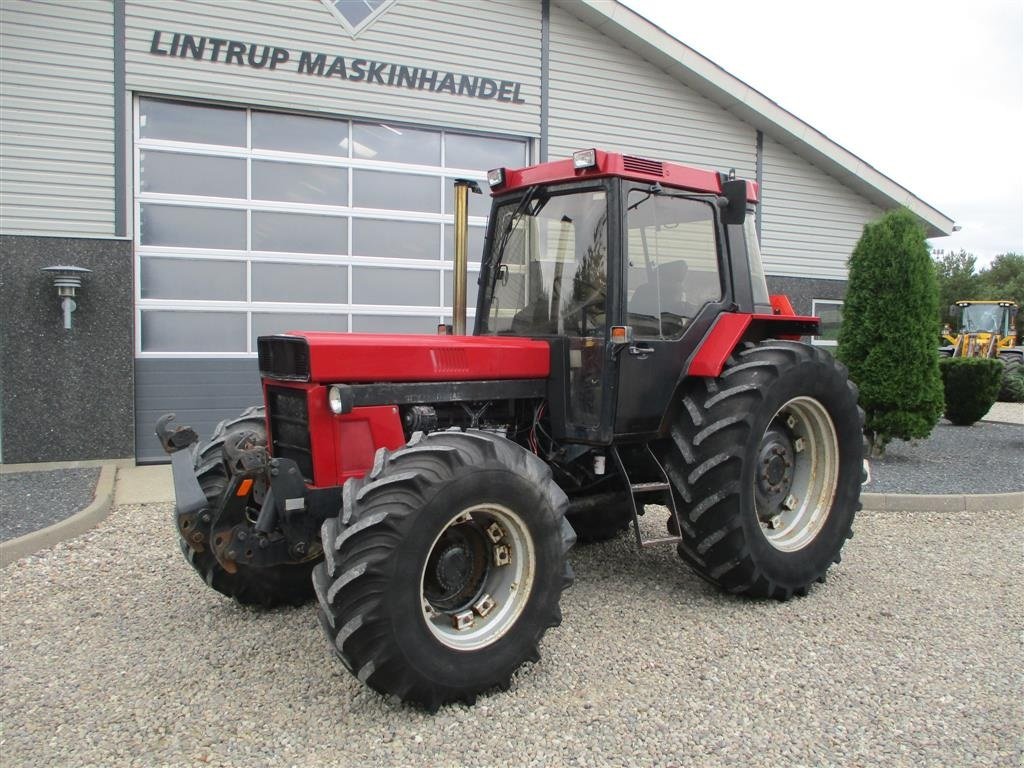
(612, 164)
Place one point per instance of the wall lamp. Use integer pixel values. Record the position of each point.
(67, 280)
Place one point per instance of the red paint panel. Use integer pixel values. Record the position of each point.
(615, 164)
(358, 435)
(781, 304)
(721, 340)
(344, 446)
(365, 357)
(729, 330)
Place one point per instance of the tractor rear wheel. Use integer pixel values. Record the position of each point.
(766, 461)
(285, 584)
(444, 567)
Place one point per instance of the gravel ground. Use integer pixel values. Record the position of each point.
(987, 457)
(33, 500)
(113, 653)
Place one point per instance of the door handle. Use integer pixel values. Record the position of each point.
(640, 350)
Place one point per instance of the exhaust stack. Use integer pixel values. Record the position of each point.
(461, 271)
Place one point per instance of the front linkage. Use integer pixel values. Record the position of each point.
(260, 514)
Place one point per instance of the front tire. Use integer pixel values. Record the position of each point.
(766, 461)
(444, 567)
(285, 584)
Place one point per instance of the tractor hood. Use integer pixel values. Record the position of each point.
(363, 357)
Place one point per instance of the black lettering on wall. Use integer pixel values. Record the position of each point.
(235, 52)
(215, 45)
(308, 64)
(467, 85)
(373, 76)
(154, 46)
(390, 74)
(192, 47)
(407, 77)
(338, 67)
(261, 62)
(280, 56)
(425, 80)
(487, 88)
(447, 83)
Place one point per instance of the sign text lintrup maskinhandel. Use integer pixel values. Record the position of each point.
(354, 70)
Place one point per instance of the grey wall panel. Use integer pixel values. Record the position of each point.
(57, 132)
(803, 291)
(497, 40)
(200, 391)
(606, 96)
(67, 394)
(810, 222)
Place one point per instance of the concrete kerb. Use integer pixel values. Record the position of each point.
(77, 524)
(920, 502)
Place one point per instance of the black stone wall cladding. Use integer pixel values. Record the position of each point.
(66, 394)
(803, 290)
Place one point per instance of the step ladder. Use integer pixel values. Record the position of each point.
(651, 487)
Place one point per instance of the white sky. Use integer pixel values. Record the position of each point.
(929, 93)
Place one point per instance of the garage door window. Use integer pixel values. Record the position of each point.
(250, 222)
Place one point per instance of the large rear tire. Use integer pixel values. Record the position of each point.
(285, 584)
(444, 567)
(766, 461)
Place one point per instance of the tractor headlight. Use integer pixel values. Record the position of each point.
(495, 177)
(585, 158)
(339, 399)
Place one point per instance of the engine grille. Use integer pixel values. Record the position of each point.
(642, 165)
(283, 357)
(289, 427)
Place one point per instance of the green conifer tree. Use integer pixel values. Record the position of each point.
(887, 338)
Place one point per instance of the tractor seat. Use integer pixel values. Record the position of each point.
(669, 280)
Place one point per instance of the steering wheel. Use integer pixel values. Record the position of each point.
(581, 309)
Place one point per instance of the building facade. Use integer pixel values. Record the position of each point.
(227, 170)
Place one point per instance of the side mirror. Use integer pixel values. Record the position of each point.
(735, 209)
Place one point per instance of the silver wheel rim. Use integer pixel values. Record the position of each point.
(493, 544)
(797, 474)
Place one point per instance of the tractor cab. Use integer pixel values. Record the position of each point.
(623, 265)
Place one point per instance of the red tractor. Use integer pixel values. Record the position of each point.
(428, 489)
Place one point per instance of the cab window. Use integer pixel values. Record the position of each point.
(672, 255)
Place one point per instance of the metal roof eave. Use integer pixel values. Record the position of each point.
(645, 38)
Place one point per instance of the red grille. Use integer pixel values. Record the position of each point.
(642, 165)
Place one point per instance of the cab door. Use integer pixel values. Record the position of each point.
(672, 250)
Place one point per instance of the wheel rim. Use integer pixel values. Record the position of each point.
(477, 577)
(797, 474)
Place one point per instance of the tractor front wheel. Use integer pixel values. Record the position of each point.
(444, 567)
(285, 584)
(766, 461)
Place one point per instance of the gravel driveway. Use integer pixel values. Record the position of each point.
(113, 653)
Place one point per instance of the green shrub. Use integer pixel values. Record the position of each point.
(971, 385)
(887, 338)
(1012, 388)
